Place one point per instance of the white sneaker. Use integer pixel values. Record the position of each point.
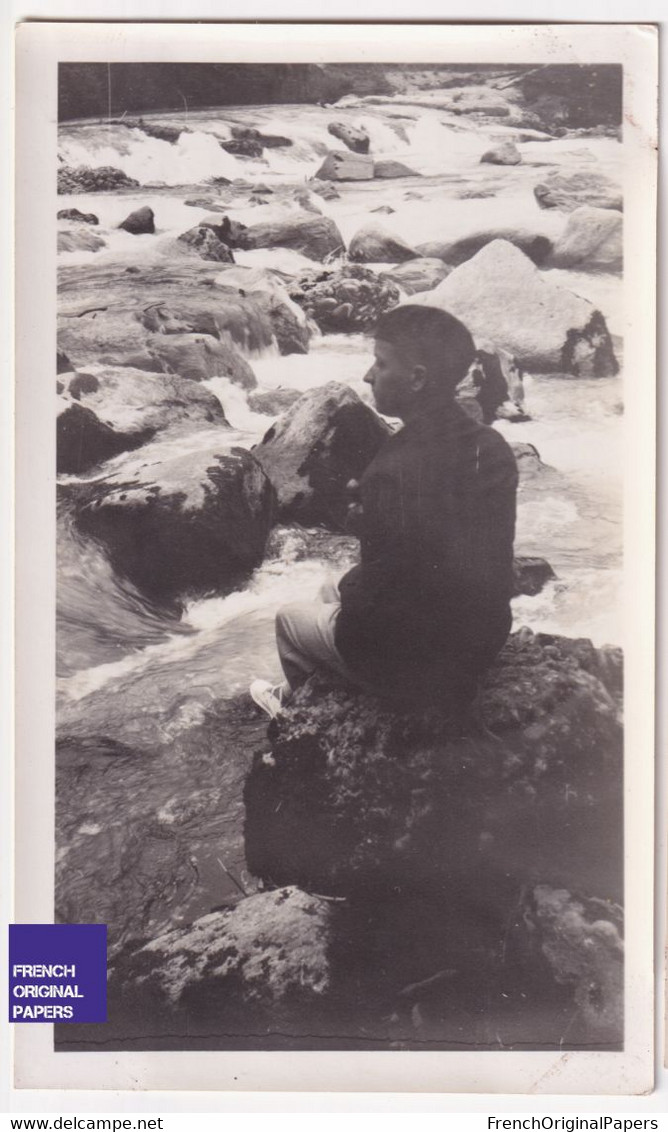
(268, 696)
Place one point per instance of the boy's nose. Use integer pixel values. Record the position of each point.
(369, 375)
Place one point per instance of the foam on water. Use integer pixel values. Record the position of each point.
(218, 623)
(195, 157)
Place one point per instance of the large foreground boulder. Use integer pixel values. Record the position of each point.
(497, 834)
(288, 969)
(342, 165)
(568, 191)
(354, 137)
(344, 301)
(110, 410)
(593, 240)
(374, 244)
(323, 441)
(269, 949)
(356, 795)
(315, 237)
(181, 517)
(501, 296)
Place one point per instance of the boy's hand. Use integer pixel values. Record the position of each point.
(354, 514)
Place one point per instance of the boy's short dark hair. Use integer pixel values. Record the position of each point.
(429, 337)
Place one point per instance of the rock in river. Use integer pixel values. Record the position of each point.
(389, 170)
(568, 191)
(357, 794)
(74, 214)
(506, 153)
(102, 313)
(272, 401)
(83, 179)
(139, 222)
(501, 296)
(506, 824)
(199, 357)
(374, 244)
(324, 440)
(418, 274)
(593, 240)
(492, 388)
(206, 243)
(180, 518)
(79, 240)
(110, 410)
(342, 165)
(315, 236)
(535, 246)
(355, 137)
(346, 300)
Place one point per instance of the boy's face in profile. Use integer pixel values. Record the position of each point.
(394, 383)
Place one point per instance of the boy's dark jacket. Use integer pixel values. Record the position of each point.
(428, 608)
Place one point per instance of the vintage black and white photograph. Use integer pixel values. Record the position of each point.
(341, 620)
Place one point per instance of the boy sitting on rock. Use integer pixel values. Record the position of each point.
(426, 611)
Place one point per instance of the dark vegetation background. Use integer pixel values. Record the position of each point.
(576, 96)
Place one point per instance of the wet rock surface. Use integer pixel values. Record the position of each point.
(179, 522)
(492, 388)
(530, 575)
(116, 409)
(139, 222)
(310, 454)
(103, 313)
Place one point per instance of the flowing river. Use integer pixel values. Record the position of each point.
(150, 676)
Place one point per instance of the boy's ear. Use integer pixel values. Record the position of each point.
(418, 378)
